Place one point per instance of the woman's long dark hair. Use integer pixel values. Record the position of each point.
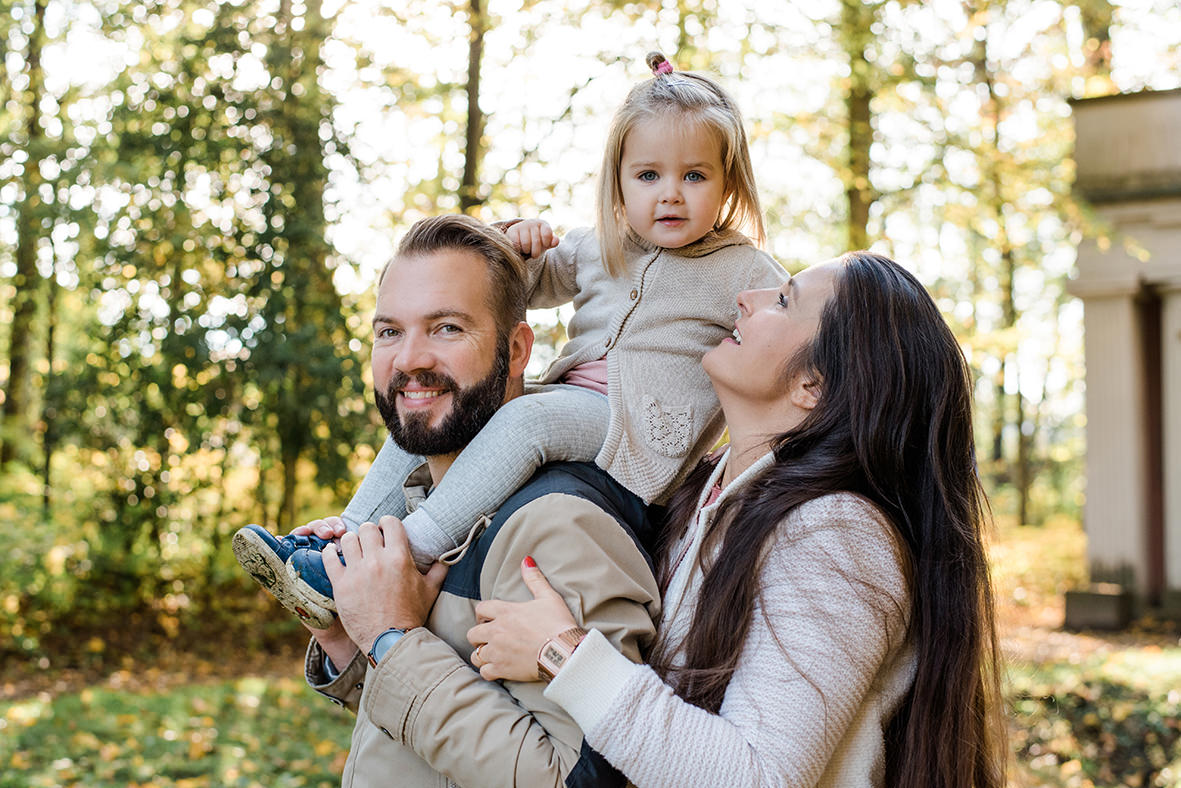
(893, 424)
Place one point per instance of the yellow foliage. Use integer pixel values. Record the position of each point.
(55, 559)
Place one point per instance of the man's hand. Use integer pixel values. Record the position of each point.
(531, 237)
(378, 586)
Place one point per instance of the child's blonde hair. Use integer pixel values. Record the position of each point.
(697, 99)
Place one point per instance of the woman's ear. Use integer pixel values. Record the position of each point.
(805, 392)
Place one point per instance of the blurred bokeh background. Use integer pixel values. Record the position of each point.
(196, 197)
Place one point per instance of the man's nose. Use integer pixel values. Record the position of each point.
(414, 353)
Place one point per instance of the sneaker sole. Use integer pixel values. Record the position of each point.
(305, 591)
(257, 558)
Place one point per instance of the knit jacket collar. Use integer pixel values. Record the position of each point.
(707, 244)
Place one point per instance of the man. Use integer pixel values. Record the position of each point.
(450, 347)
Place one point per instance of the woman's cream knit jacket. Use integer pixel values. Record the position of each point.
(823, 669)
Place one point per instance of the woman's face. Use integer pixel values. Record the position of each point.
(772, 326)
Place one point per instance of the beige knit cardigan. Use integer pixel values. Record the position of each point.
(653, 325)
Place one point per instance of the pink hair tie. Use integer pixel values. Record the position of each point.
(659, 64)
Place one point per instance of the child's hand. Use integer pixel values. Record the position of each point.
(532, 237)
(327, 528)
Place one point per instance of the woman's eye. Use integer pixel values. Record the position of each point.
(647, 175)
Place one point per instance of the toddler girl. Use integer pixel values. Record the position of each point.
(653, 286)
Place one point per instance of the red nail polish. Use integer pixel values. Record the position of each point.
(529, 562)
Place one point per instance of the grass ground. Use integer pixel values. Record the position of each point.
(1085, 709)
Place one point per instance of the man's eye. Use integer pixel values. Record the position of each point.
(647, 175)
(387, 332)
(449, 328)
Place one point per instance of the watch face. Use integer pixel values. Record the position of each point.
(555, 657)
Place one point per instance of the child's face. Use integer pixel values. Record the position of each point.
(672, 180)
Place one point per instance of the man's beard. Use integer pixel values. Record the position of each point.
(471, 408)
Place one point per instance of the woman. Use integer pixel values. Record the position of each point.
(827, 609)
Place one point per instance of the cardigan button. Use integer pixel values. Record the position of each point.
(634, 294)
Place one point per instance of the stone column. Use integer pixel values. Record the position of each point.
(1171, 404)
(1115, 516)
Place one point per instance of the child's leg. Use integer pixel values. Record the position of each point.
(380, 492)
(552, 423)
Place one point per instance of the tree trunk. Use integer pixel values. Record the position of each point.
(995, 200)
(1096, 18)
(286, 519)
(856, 20)
(27, 281)
(469, 185)
(49, 402)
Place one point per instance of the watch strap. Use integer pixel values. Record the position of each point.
(556, 651)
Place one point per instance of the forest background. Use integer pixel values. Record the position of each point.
(196, 196)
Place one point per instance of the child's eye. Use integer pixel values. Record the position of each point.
(694, 177)
(783, 300)
(647, 175)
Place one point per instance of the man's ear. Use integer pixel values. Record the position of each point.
(520, 348)
(805, 392)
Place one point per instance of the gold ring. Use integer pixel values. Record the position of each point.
(477, 658)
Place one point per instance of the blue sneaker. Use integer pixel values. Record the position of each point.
(265, 557)
(305, 571)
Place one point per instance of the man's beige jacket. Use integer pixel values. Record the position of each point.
(424, 715)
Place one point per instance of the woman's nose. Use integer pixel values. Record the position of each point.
(744, 301)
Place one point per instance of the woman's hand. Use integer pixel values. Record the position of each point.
(511, 634)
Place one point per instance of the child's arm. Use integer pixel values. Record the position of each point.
(531, 237)
(553, 424)
(553, 266)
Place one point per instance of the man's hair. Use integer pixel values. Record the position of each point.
(507, 275)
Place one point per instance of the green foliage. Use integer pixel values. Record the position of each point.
(201, 269)
(249, 733)
(1113, 720)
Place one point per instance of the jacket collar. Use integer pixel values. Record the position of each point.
(755, 469)
(707, 244)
